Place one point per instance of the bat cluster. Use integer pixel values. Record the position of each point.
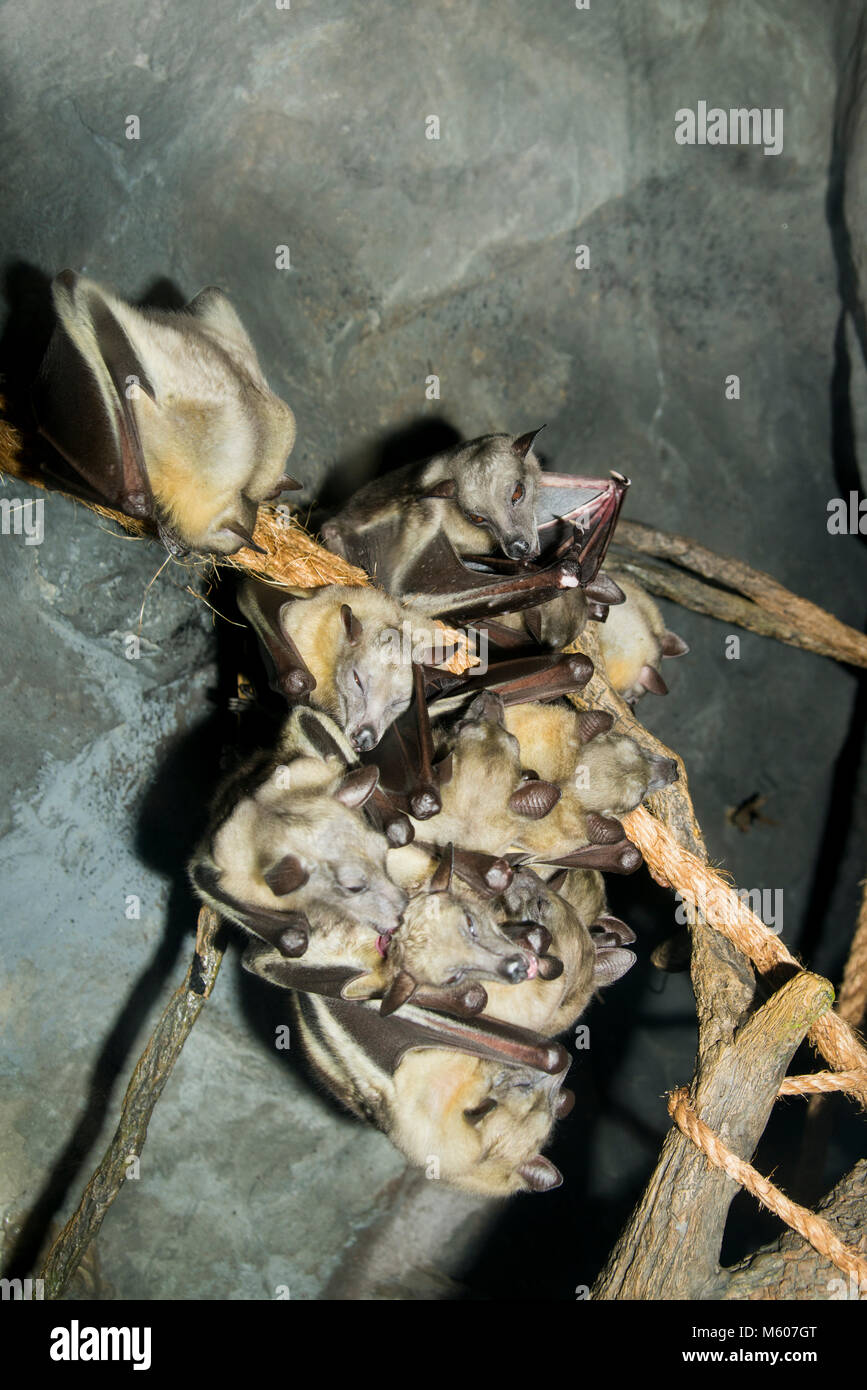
(419, 858)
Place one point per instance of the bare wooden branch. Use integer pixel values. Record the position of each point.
(152, 1071)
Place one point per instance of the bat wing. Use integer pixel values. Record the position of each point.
(441, 584)
(262, 605)
(544, 677)
(589, 505)
(82, 398)
(387, 1039)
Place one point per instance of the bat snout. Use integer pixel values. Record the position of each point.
(363, 739)
(663, 773)
(515, 969)
(520, 548)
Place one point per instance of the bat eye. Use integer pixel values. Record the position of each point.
(357, 680)
(471, 927)
(476, 519)
(356, 888)
(518, 493)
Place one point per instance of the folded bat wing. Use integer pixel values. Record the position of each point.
(82, 402)
(387, 1039)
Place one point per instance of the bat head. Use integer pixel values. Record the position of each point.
(373, 675)
(300, 840)
(613, 774)
(481, 1122)
(452, 936)
(495, 485)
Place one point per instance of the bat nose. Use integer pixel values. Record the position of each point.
(364, 739)
(517, 549)
(664, 772)
(514, 969)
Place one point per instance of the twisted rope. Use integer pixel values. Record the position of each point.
(704, 891)
(814, 1229)
(852, 1003)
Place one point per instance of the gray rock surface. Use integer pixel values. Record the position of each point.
(305, 127)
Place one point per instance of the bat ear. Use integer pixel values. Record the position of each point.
(556, 882)
(357, 787)
(604, 590)
(446, 488)
(216, 315)
(286, 876)
(652, 680)
(475, 1115)
(534, 799)
(672, 645)
(592, 722)
(611, 964)
(401, 989)
(352, 626)
(441, 881)
(608, 930)
(523, 443)
(364, 986)
(540, 1175)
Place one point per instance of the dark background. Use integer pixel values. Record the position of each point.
(409, 257)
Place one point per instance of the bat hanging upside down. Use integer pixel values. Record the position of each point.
(481, 531)
(166, 416)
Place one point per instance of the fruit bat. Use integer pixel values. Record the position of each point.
(473, 1100)
(348, 651)
(596, 770)
(412, 528)
(496, 801)
(287, 839)
(480, 494)
(634, 641)
(166, 416)
(449, 935)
